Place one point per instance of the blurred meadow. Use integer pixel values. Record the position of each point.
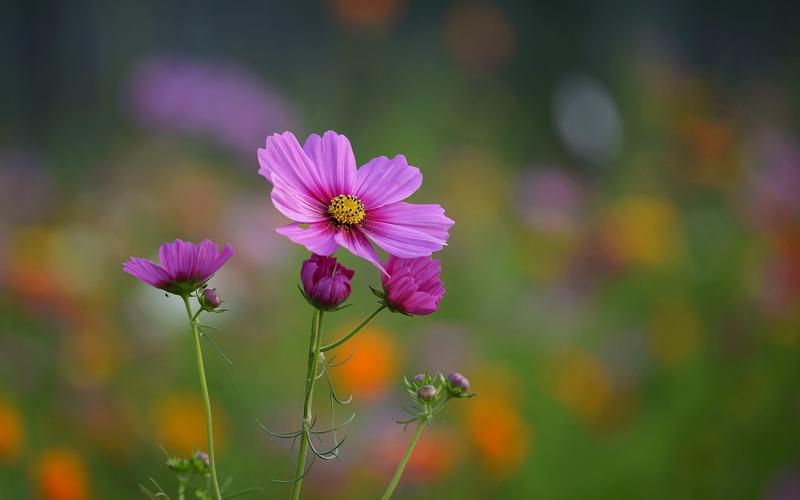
(623, 279)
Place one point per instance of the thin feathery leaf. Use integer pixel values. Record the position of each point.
(327, 455)
(216, 347)
(340, 363)
(283, 435)
(244, 492)
(336, 427)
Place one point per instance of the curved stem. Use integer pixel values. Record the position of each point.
(402, 465)
(311, 378)
(355, 330)
(206, 400)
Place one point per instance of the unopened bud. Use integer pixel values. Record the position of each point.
(202, 456)
(458, 383)
(419, 378)
(426, 393)
(211, 299)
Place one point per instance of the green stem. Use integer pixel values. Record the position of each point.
(355, 330)
(206, 400)
(402, 465)
(311, 378)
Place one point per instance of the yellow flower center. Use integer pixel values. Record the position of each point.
(346, 209)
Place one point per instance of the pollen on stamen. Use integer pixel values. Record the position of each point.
(346, 209)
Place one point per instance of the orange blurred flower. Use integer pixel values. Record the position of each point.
(181, 426)
(367, 14)
(373, 365)
(12, 432)
(29, 274)
(499, 433)
(435, 455)
(61, 475)
(479, 35)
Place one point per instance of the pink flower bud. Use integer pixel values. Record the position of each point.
(413, 286)
(326, 282)
(211, 299)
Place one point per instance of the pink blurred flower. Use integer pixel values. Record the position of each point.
(217, 99)
(184, 266)
(318, 186)
(549, 200)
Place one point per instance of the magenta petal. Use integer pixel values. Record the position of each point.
(298, 191)
(318, 237)
(407, 230)
(336, 164)
(382, 181)
(146, 271)
(226, 253)
(354, 240)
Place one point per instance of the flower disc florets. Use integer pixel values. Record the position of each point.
(347, 209)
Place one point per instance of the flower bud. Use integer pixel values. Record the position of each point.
(458, 383)
(419, 378)
(326, 283)
(210, 299)
(202, 457)
(412, 286)
(426, 393)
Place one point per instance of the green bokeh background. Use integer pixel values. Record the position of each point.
(623, 279)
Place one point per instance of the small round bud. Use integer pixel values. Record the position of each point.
(211, 299)
(426, 393)
(419, 378)
(202, 456)
(458, 382)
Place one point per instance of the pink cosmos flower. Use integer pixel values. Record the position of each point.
(184, 266)
(412, 286)
(333, 203)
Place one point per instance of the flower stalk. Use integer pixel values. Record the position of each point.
(311, 378)
(398, 473)
(206, 400)
(354, 331)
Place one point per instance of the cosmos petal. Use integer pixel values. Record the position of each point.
(298, 191)
(354, 240)
(335, 161)
(146, 271)
(318, 237)
(382, 181)
(407, 230)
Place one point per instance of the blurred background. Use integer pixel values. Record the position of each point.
(623, 277)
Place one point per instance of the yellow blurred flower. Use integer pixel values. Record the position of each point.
(12, 432)
(476, 194)
(674, 331)
(180, 424)
(585, 385)
(373, 366)
(61, 475)
(642, 230)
